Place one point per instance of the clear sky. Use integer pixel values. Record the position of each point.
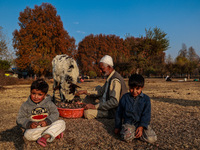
(180, 19)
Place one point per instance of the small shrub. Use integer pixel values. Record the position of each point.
(4, 65)
(92, 74)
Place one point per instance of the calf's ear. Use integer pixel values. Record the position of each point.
(74, 85)
(72, 88)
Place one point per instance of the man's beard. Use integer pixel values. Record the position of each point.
(106, 74)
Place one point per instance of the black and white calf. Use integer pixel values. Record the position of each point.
(65, 75)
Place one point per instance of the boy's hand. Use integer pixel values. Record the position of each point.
(42, 123)
(89, 106)
(116, 131)
(138, 132)
(33, 125)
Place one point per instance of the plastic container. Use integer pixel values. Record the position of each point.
(71, 113)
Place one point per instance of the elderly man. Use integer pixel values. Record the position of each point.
(109, 94)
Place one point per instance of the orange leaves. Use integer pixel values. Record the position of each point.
(40, 38)
(128, 55)
(92, 48)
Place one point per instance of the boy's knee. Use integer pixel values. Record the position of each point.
(127, 138)
(149, 135)
(149, 139)
(30, 137)
(152, 139)
(88, 114)
(127, 132)
(61, 122)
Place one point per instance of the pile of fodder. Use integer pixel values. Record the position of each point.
(74, 104)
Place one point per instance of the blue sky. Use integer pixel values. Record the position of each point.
(180, 19)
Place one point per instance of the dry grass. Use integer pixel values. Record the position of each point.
(175, 119)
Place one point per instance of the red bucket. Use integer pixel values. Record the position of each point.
(71, 113)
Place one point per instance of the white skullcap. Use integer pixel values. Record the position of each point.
(107, 60)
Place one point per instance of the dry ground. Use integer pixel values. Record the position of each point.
(175, 119)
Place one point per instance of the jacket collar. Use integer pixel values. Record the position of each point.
(47, 98)
(110, 75)
(141, 95)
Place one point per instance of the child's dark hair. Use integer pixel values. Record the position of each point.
(41, 85)
(136, 80)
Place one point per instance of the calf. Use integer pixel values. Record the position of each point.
(65, 75)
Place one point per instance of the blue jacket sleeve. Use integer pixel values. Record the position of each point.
(119, 115)
(146, 114)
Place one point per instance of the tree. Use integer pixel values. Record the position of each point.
(3, 45)
(40, 38)
(182, 61)
(187, 61)
(169, 66)
(192, 55)
(136, 61)
(183, 51)
(4, 65)
(93, 47)
(155, 43)
(193, 60)
(181, 65)
(87, 56)
(157, 39)
(5, 62)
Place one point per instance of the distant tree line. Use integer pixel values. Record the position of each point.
(142, 55)
(42, 36)
(186, 64)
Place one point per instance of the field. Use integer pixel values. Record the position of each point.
(175, 119)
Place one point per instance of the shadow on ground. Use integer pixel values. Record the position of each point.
(14, 135)
(108, 124)
(181, 102)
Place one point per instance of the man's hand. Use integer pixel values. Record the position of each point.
(116, 131)
(138, 132)
(34, 125)
(42, 123)
(89, 106)
(78, 93)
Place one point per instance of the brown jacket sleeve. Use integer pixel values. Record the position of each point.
(98, 91)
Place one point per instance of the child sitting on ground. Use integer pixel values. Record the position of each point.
(135, 110)
(39, 116)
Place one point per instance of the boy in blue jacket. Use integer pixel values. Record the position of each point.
(134, 113)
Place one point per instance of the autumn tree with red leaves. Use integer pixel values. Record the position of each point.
(93, 47)
(137, 55)
(143, 55)
(40, 38)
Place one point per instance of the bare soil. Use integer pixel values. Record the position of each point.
(175, 119)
